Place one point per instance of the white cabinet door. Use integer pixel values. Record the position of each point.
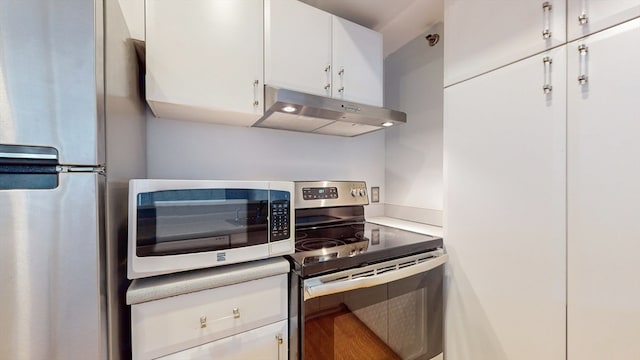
(297, 47)
(266, 343)
(484, 35)
(504, 212)
(603, 196)
(204, 59)
(588, 16)
(357, 63)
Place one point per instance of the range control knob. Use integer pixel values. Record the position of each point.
(354, 192)
(362, 192)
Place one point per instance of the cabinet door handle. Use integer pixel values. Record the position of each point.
(203, 322)
(279, 341)
(256, 84)
(327, 68)
(341, 72)
(546, 87)
(583, 52)
(327, 87)
(341, 90)
(546, 13)
(583, 19)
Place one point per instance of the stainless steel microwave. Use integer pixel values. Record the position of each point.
(179, 225)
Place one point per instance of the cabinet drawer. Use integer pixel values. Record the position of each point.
(173, 324)
(265, 343)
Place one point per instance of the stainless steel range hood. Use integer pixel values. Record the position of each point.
(292, 110)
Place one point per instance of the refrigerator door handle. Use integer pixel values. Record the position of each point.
(20, 154)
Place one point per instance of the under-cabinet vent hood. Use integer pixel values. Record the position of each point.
(292, 110)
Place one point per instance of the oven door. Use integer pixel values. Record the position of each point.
(390, 310)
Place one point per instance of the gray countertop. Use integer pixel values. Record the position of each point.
(159, 287)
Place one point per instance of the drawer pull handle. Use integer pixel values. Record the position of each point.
(203, 322)
(236, 313)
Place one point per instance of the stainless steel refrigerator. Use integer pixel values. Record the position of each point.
(72, 133)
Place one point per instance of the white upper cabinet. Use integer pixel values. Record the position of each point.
(312, 51)
(357, 63)
(504, 211)
(588, 16)
(204, 60)
(603, 195)
(297, 47)
(484, 35)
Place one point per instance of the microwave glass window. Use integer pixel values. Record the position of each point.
(185, 221)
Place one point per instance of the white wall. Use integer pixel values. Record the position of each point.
(413, 172)
(193, 150)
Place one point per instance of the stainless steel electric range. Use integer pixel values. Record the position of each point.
(360, 290)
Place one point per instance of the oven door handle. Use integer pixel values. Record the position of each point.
(317, 287)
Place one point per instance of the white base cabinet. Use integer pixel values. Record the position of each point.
(504, 212)
(266, 343)
(252, 313)
(604, 195)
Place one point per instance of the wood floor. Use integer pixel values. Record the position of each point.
(342, 336)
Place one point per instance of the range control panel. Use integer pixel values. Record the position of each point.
(312, 194)
(320, 193)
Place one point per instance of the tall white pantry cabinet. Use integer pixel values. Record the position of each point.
(541, 186)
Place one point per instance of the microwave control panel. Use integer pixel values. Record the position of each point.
(280, 214)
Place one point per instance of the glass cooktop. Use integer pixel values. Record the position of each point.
(337, 247)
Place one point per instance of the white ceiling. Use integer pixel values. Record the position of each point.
(399, 21)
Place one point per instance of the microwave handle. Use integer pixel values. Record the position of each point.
(316, 288)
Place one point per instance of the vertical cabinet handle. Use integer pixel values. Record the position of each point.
(583, 52)
(341, 74)
(256, 84)
(236, 313)
(203, 322)
(546, 87)
(279, 341)
(583, 18)
(327, 86)
(546, 13)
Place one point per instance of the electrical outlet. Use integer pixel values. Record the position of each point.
(375, 194)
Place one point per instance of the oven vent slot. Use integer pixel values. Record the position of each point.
(364, 274)
(426, 258)
(405, 264)
(385, 269)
